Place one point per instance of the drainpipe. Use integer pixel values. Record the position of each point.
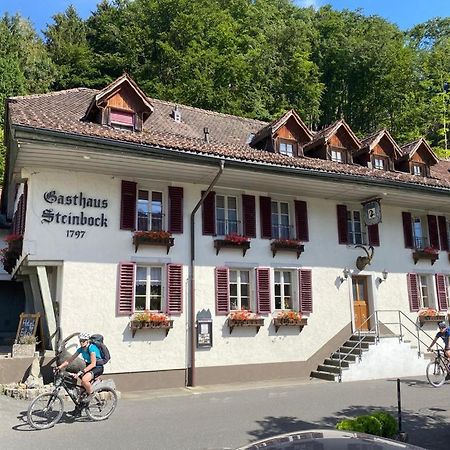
(192, 337)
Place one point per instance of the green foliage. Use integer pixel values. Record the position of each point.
(379, 424)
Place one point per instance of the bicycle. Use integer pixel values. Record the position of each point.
(46, 409)
(438, 370)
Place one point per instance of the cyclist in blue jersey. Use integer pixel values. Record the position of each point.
(91, 354)
(444, 334)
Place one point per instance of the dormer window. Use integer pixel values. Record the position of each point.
(287, 147)
(418, 169)
(337, 155)
(380, 163)
(122, 119)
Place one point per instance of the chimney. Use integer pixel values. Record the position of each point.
(176, 114)
(206, 132)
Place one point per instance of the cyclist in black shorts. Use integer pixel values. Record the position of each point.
(90, 353)
(444, 333)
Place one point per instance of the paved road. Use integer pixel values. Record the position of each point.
(224, 417)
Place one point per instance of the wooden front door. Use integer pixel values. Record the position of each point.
(361, 303)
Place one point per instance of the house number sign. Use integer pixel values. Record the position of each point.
(87, 217)
(372, 212)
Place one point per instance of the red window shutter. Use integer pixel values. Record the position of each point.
(263, 290)
(121, 117)
(125, 299)
(305, 290)
(175, 209)
(128, 206)
(222, 290)
(342, 224)
(407, 229)
(441, 289)
(433, 231)
(374, 235)
(249, 216)
(266, 219)
(443, 235)
(301, 220)
(413, 291)
(174, 288)
(209, 214)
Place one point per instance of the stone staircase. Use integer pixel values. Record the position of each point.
(343, 357)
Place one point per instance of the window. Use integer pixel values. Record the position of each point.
(355, 228)
(418, 169)
(337, 155)
(150, 210)
(240, 289)
(286, 147)
(226, 215)
(283, 289)
(280, 220)
(380, 163)
(425, 300)
(420, 241)
(122, 119)
(148, 288)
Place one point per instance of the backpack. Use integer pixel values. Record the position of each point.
(97, 340)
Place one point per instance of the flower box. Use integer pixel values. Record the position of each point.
(256, 323)
(281, 322)
(158, 238)
(139, 325)
(426, 255)
(431, 318)
(287, 245)
(23, 350)
(226, 243)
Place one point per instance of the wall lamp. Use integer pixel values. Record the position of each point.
(383, 277)
(346, 272)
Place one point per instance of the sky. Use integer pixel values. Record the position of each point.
(405, 13)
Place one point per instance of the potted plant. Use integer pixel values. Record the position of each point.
(430, 315)
(233, 240)
(25, 347)
(287, 244)
(244, 318)
(148, 319)
(289, 318)
(430, 253)
(162, 238)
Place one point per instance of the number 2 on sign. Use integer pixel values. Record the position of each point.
(76, 234)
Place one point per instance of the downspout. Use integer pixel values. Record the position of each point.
(192, 336)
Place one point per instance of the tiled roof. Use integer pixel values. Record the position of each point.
(62, 111)
(369, 140)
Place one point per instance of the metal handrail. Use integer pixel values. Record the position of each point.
(376, 329)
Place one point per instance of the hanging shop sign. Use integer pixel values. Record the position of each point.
(372, 211)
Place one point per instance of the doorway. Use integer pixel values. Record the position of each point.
(361, 303)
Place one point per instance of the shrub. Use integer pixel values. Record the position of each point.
(370, 425)
(349, 425)
(378, 424)
(388, 423)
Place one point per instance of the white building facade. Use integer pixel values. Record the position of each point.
(89, 187)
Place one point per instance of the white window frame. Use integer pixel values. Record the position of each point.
(426, 281)
(420, 232)
(352, 234)
(284, 145)
(148, 281)
(293, 285)
(150, 192)
(226, 227)
(337, 155)
(279, 224)
(238, 296)
(380, 162)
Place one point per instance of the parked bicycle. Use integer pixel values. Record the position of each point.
(438, 370)
(47, 409)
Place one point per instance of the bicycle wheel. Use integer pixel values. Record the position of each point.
(103, 404)
(45, 411)
(436, 373)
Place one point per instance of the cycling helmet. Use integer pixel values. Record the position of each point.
(442, 325)
(84, 336)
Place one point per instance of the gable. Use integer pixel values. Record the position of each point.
(342, 139)
(292, 131)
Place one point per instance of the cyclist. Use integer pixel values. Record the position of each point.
(90, 353)
(444, 333)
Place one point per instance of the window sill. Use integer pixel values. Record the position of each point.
(223, 243)
(420, 254)
(292, 246)
(143, 240)
(432, 319)
(256, 323)
(138, 325)
(300, 323)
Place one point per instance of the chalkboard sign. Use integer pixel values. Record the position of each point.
(28, 325)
